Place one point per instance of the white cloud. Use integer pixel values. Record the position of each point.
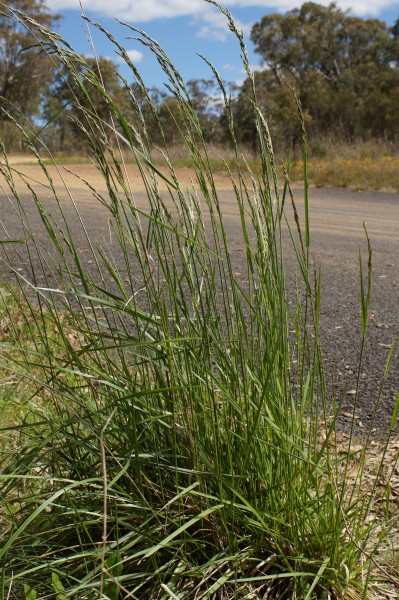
(229, 67)
(213, 24)
(357, 7)
(148, 10)
(255, 68)
(134, 10)
(135, 55)
(208, 20)
(238, 82)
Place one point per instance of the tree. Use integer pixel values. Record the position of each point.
(73, 96)
(171, 117)
(276, 102)
(25, 68)
(344, 69)
(208, 107)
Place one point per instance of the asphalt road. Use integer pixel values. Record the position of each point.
(336, 220)
(337, 234)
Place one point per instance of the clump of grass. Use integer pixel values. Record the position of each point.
(28, 338)
(181, 454)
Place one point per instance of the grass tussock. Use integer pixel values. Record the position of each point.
(169, 445)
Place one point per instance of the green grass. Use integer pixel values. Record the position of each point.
(176, 438)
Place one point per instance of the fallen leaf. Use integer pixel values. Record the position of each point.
(350, 415)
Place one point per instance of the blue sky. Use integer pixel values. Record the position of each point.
(185, 27)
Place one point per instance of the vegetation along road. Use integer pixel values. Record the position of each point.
(337, 234)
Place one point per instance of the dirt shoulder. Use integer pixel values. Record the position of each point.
(76, 176)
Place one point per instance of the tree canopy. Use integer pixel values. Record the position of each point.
(65, 106)
(343, 69)
(25, 68)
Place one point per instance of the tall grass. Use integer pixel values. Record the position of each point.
(177, 437)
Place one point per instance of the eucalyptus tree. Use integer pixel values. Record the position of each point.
(344, 70)
(74, 95)
(25, 67)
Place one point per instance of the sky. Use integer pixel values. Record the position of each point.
(185, 28)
